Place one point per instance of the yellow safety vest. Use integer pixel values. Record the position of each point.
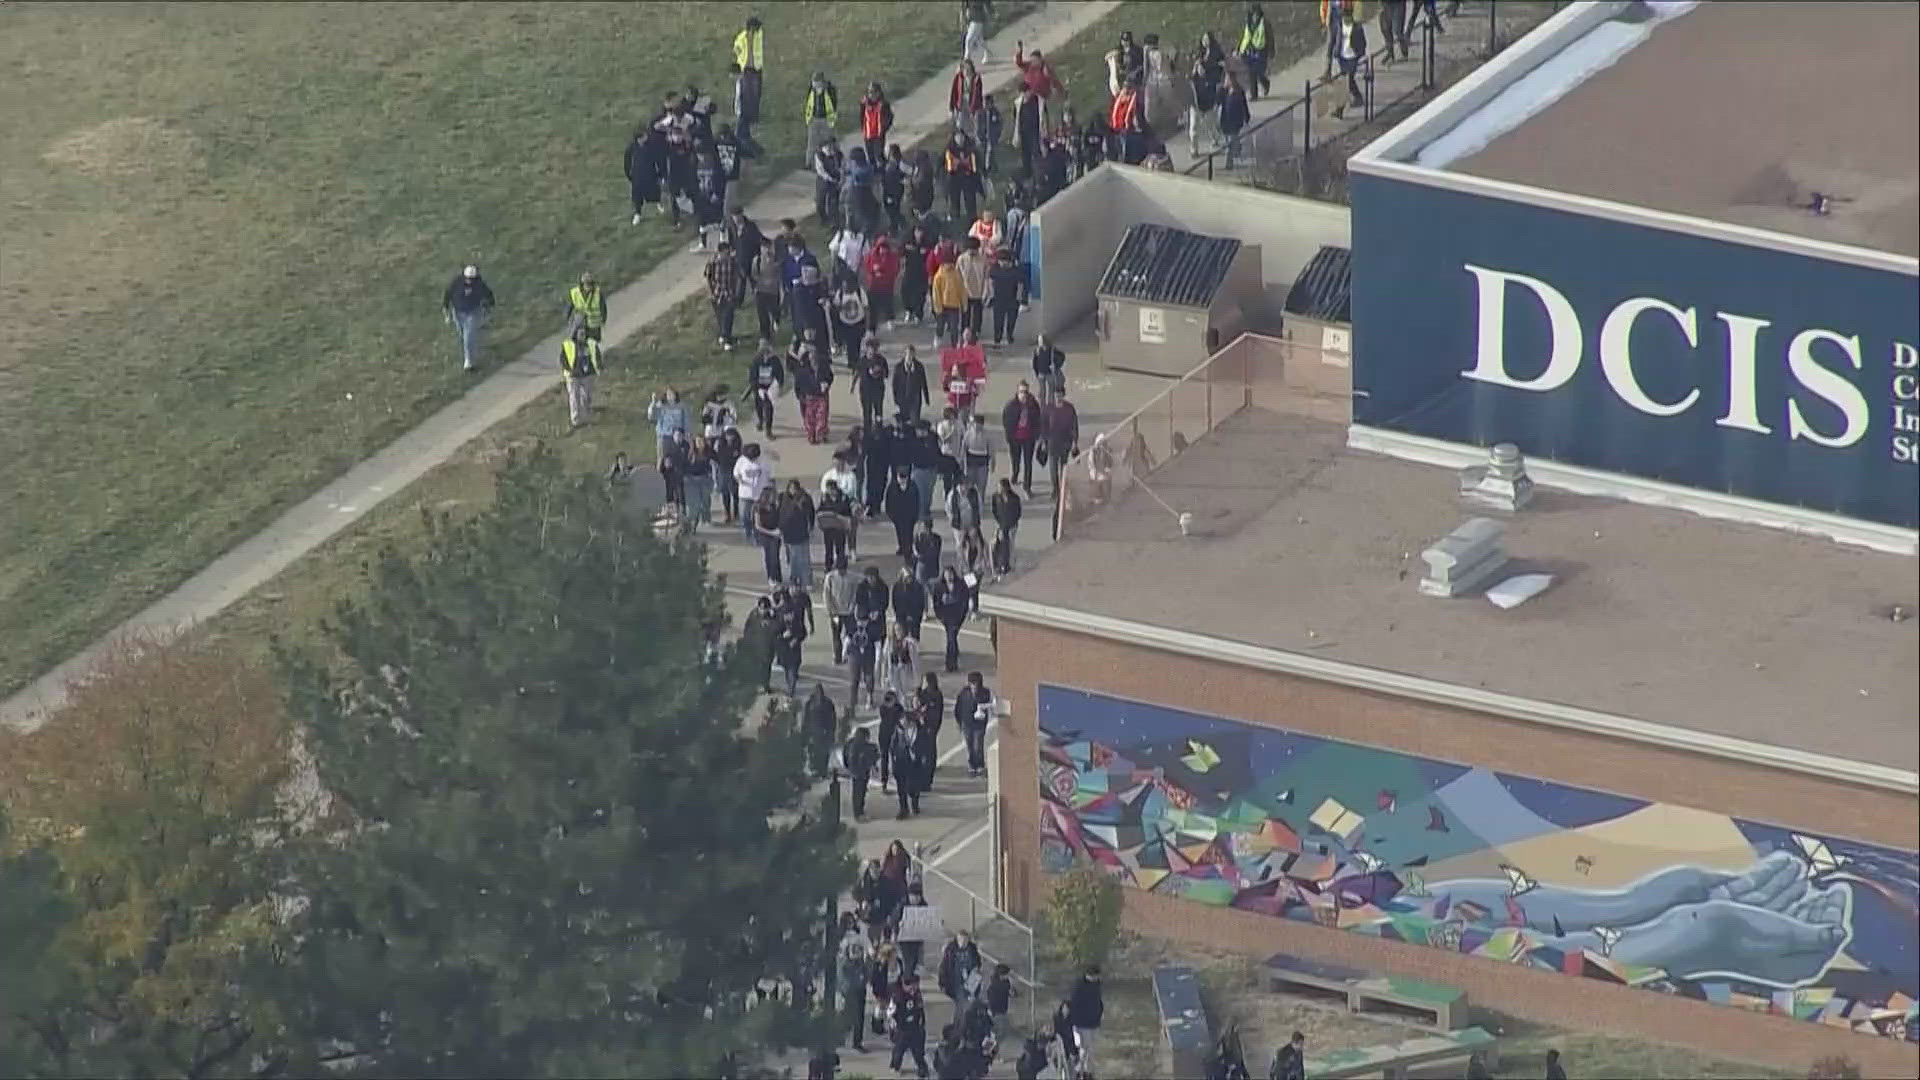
(570, 359)
(1254, 38)
(826, 105)
(588, 305)
(749, 49)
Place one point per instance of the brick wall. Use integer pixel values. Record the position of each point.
(1031, 654)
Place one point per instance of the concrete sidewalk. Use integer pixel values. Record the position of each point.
(346, 500)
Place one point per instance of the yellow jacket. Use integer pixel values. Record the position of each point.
(949, 292)
(1349, 12)
(750, 49)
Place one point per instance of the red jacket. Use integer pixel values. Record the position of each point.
(876, 118)
(942, 253)
(883, 267)
(966, 94)
(1125, 105)
(1036, 73)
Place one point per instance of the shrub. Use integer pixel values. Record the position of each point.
(1084, 914)
(1834, 1067)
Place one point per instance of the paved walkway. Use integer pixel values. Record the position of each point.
(630, 310)
(1464, 38)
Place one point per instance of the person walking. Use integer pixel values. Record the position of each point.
(820, 113)
(835, 518)
(1290, 1061)
(1350, 52)
(1088, 1007)
(915, 278)
(807, 301)
(821, 722)
(922, 188)
(903, 509)
(1062, 438)
(1256, 49)
(1394, 28)
(796, 534)
(924, 462)
(749, 60)
(973, 709)
(876, 467)
(794, 609)
(873, 378)
(579, 363)
(904, 739)
(901, 661)
(966, 98)
(961, 972)
(1029, 128)
(765, 274)
(880, 273)
(645, 164)
(696, 470)
(766, 530)
(829, 182)
(710, 185)
(931, 703)
(668, 417)
(893, 189)
(1334, 16)
(750, 480)
(949, 304)
(859, 755)
(1049, 369)
(860, 661)
(587, 307)
(972, 265)
(1006, 509)
(910, 391)
(876, 120)
(963, 176)
(1006, 294)
(910, 1029)
(974, 15)
(976, 450)
(1234, 114)
(1203, 83)
(849, 304)
(468, 304)
(870, 601)
(950, 606)
(726, 288)
(909, 601)
(855, 956)
(926, 554)
(766, 379)
(726, 449)
(836, 591)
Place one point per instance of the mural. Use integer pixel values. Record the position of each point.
(1504, 867)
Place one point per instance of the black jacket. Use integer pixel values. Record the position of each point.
(873, 380)
(796, 517)
(953, 959)
(909, 600)
(466, 297)
(1087, 1004)
(870, 601)
(820, 716)
(965, 704)
(1008, 282)
(910, 384)
(926, 561)
(951, 604)
(765, 371)
(903, 503)
(1007, 509)
(1011, 415)
(1048, 362)
(860, 757)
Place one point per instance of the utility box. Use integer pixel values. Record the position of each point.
(1317, 331)
(1171, 298)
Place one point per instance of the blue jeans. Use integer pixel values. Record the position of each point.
(469, 323)
(923, 483)
(770, 553)
(746, 522)
(800, 563)
(699, 499)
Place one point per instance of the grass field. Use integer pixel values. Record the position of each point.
(228, 228)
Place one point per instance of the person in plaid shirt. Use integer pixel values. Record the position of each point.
(727, 287)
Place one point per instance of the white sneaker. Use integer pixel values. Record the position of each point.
(698, 245)
(636, 217)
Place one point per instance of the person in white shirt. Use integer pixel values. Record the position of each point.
(849, 247)
(750, 475)
(901, 660)
(717, 415)
(840, 472)
(837, 592)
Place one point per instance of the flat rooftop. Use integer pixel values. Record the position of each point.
(1303, 545)
(1737, 112)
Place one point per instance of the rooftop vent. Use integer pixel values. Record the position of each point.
(1502, 484)
(1466, 560)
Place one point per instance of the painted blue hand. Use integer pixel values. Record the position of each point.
(1765, 925)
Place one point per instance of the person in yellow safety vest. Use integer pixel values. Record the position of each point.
(821, 113)
(586, 306)
(749, 62)
(1256, 48)
(579, 363)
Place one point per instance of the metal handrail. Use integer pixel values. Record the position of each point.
(974, 903)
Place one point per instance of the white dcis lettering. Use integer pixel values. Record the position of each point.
(1823, 382)
(1490, 363)
(1616, 352)
(1814, 376)
(1743, 346)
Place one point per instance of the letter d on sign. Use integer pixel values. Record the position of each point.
(1490, 361)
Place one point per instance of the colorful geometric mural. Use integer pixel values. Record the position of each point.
(1513, 869)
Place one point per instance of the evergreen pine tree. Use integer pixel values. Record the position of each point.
(562, 846)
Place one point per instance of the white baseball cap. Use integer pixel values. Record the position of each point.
(470, 271)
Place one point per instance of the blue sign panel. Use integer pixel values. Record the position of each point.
(1698, 362)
